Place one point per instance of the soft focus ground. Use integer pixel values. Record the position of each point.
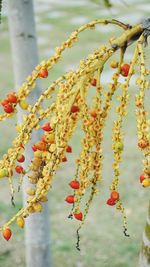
(102, 241)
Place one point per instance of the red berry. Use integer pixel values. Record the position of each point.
(74, 109)
(43, 73)
(46, 127)
(41, 146)
(74, 184)
(70, 199)
(4, 102)
(12, 97)
(21, 158)
(93, 82)
(142, 177)
(114, 195)
(69, 149)
(125, 70)
(34, 148)
(43, 139)
(111, 202)
(64, 159)
(19, 169)
(78, 216)
(8, 108)
(7, 233)
(142, 144)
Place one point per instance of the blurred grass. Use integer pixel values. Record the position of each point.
(102, 241)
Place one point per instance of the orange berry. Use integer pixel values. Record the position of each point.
(114, 195)
(7, 233)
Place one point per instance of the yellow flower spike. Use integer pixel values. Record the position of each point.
(20, 222)
(23, 104)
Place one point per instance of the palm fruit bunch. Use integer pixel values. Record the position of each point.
(70, 106)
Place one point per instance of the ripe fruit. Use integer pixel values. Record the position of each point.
(142, 177)
(4, 102)
(19, 169)
(93, 113)
(43, 73)
(142, 143)
(70, 199)
(8, 108)
(20, 222)
(64, 159)
(119, 146)
(93, 82)
(21, 158)
(41, 146)
(114, 195)
(69, 149)
(78, 216)
(125, 70)
(3, 172)
(146, 182)
(46, 127)
(111, 202)
(74, 109)
(7, 233)
(23, 104)
(74, 184)
(114, 64)
(34, 148)
(12, 97)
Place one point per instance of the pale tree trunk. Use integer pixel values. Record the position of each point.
(144, 260)
(25, 58)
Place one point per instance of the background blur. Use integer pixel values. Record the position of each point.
(102, 240)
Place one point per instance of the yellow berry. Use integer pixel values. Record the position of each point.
(38, 154)
(18, 128)
(113, 64)
(146, 182)
(3, 172)
(119, 146)
(37, 207)
(20, 222)
(30, 191)
(23, 104)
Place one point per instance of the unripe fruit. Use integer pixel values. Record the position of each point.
(114, 64)
(70, 199)
(7, 233)
(23, 104)
(8, 108)
(111, 202)
(119, 146)
(74, 184)
(37, 207)
(18, 128)
(50, 138)
(69, 149)
(146, 182)
(43, 73)
(21, 158)
(19, 169)
(12, 97)
(30, 191)
(20, 222)
(114, 195)
(38, 154)
(125, 70)
(3, 172)
(74, 109)
(142, 144)
(142, 177)
(78, 216)
(46, 127)
(93, 82)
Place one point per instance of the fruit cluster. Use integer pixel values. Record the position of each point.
(62, 116)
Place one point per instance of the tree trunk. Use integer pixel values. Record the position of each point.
(25, 58)
(144, 260)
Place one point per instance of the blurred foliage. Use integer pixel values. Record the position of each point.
(107, 3)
